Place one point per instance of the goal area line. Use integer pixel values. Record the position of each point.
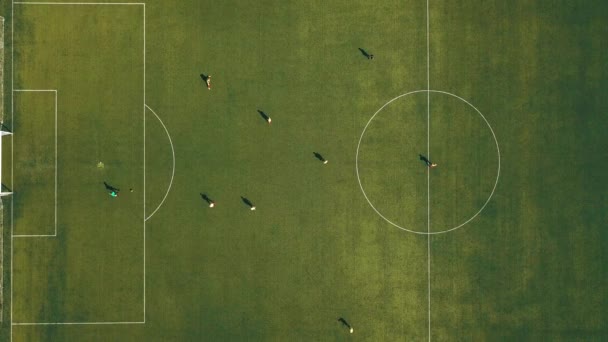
(55, 177)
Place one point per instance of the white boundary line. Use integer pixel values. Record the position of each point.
(12, 148)
(428, 171)
(144, 128)
(173, 168)
(56, 156)
(13, 3)
(2, 207)
(77, 3)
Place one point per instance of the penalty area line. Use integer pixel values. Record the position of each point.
(75, 323)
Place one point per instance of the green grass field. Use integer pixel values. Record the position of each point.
(120, 84)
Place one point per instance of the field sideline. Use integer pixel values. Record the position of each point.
(501, 241)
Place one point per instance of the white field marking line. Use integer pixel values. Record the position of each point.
(78, 3)
(76, 323)
(359, 176)
(2, 227)
(35, 90)
(144, 192)
(2, 248)
(56, 171)
(428, 153)
(12, 149)
(173, 169)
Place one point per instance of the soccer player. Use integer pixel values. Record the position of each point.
(112, 190)
(208, 81)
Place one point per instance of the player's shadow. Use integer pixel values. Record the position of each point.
(263, 115)
(247, 202)
(319, 156)
(110, 188)
(424, 159)
(364, 53)
(344, 322)
(204, 78)
(206, 198)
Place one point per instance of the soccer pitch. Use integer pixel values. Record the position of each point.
(501, 240)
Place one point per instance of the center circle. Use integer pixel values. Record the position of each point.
(449, 131)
